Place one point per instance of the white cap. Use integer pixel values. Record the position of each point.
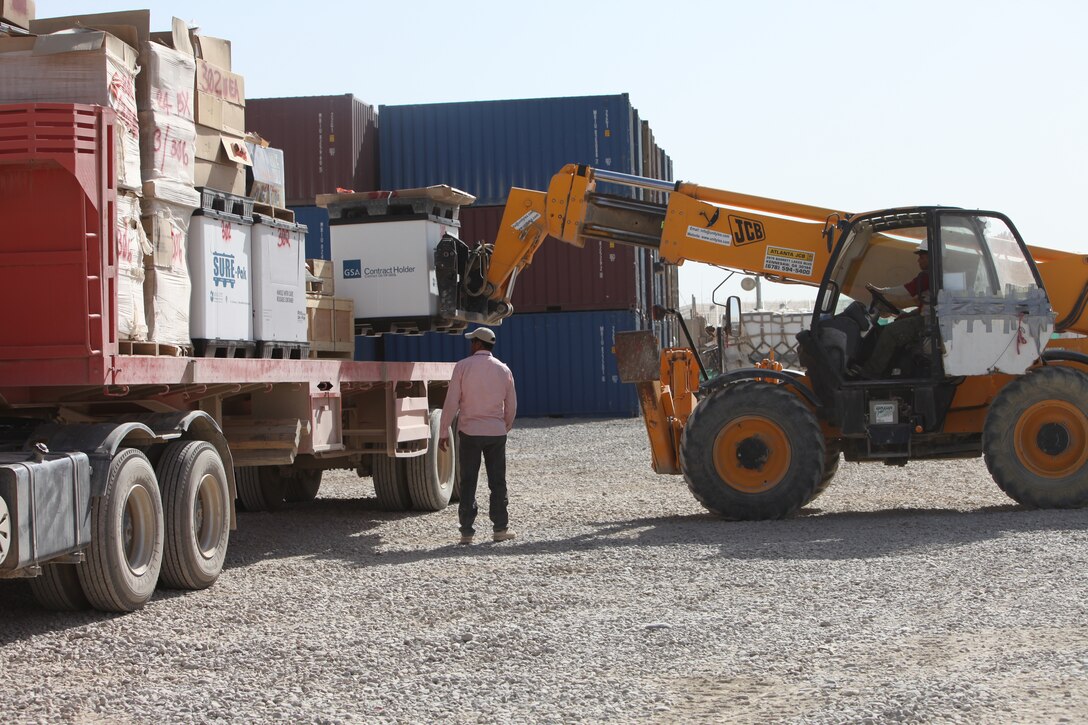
(923, 247)
(482, 334)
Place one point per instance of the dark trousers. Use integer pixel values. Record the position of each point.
(894, 338)
(493, 450)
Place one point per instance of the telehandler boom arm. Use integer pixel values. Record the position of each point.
(779, 240)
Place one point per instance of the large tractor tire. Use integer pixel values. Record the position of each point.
(196, 506)
(832, 457)
(260, 488)
(753, 451)
(391, 483)
(431, 476)
(125, 555)
(303, 485)
(1035, 441)
(58, 588)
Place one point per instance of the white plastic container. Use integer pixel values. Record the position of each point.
(219, 265)
(278, 280)
(387, 268)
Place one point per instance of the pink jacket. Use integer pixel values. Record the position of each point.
(482, 391)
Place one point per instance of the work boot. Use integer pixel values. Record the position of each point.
(465, 539)
(503, 535)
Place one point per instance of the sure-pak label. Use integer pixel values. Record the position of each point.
(790, 261)
(709, 235)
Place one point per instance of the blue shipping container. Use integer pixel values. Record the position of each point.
(563, 362)
(318, 239)
(486, 147)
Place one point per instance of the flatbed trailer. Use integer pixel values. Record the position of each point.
(120, 472)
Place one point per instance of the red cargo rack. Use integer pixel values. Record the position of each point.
(57, 273)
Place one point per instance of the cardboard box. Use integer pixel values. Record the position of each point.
(168, 147)
(323, 270)
(214, 50)
(219, 99)
(83, 66)
(17, 12)
(230, 178)
(166, 81)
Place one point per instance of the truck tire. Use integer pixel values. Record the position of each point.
(391, 483)
(432, 475)
(1035, 441)
(196, 508)
(125, 555)
(260, 488)
(58, 588)
(753, 451)
(303, 485)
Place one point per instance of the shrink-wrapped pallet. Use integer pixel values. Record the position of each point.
(168, 289)
(78, 66)
(167, 130)
(132, 249)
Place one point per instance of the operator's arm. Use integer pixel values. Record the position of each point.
(899, 296)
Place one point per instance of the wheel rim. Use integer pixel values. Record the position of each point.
(5, 530)
(208, 515)
(752, 454)
(1050, 439)
(138, 530)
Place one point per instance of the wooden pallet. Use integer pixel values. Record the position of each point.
(332, 350)
(133, 347)
(274, 212)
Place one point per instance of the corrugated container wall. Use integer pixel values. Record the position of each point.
(563, 363)
(600, 276)
(486, 147)
(328, 142)
(318, 235)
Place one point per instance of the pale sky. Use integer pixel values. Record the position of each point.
(850, 105)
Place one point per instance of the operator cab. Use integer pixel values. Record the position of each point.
(985, 310)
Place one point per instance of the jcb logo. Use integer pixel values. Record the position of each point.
(746, 231)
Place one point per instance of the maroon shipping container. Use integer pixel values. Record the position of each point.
(328, 142)
(564, 278)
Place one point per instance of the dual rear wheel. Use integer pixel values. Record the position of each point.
(168, 526)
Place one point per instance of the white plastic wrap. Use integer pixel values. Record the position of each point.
(168, 289)
(94, 74)
(168, 77)
(132, 249)
(169, 147)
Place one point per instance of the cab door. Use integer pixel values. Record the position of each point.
(992, 311)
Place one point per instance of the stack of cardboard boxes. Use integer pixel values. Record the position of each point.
(180, 148)
(91, 66)
(221, 153)
(181, 124)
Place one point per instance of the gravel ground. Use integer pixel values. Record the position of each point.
(916, 594)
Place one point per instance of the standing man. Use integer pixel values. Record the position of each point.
(482, 390)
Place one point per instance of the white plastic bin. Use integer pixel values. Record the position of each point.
(219, 263)
(279, 280)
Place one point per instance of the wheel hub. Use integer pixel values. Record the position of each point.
(1053, 439)
(752, 454)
